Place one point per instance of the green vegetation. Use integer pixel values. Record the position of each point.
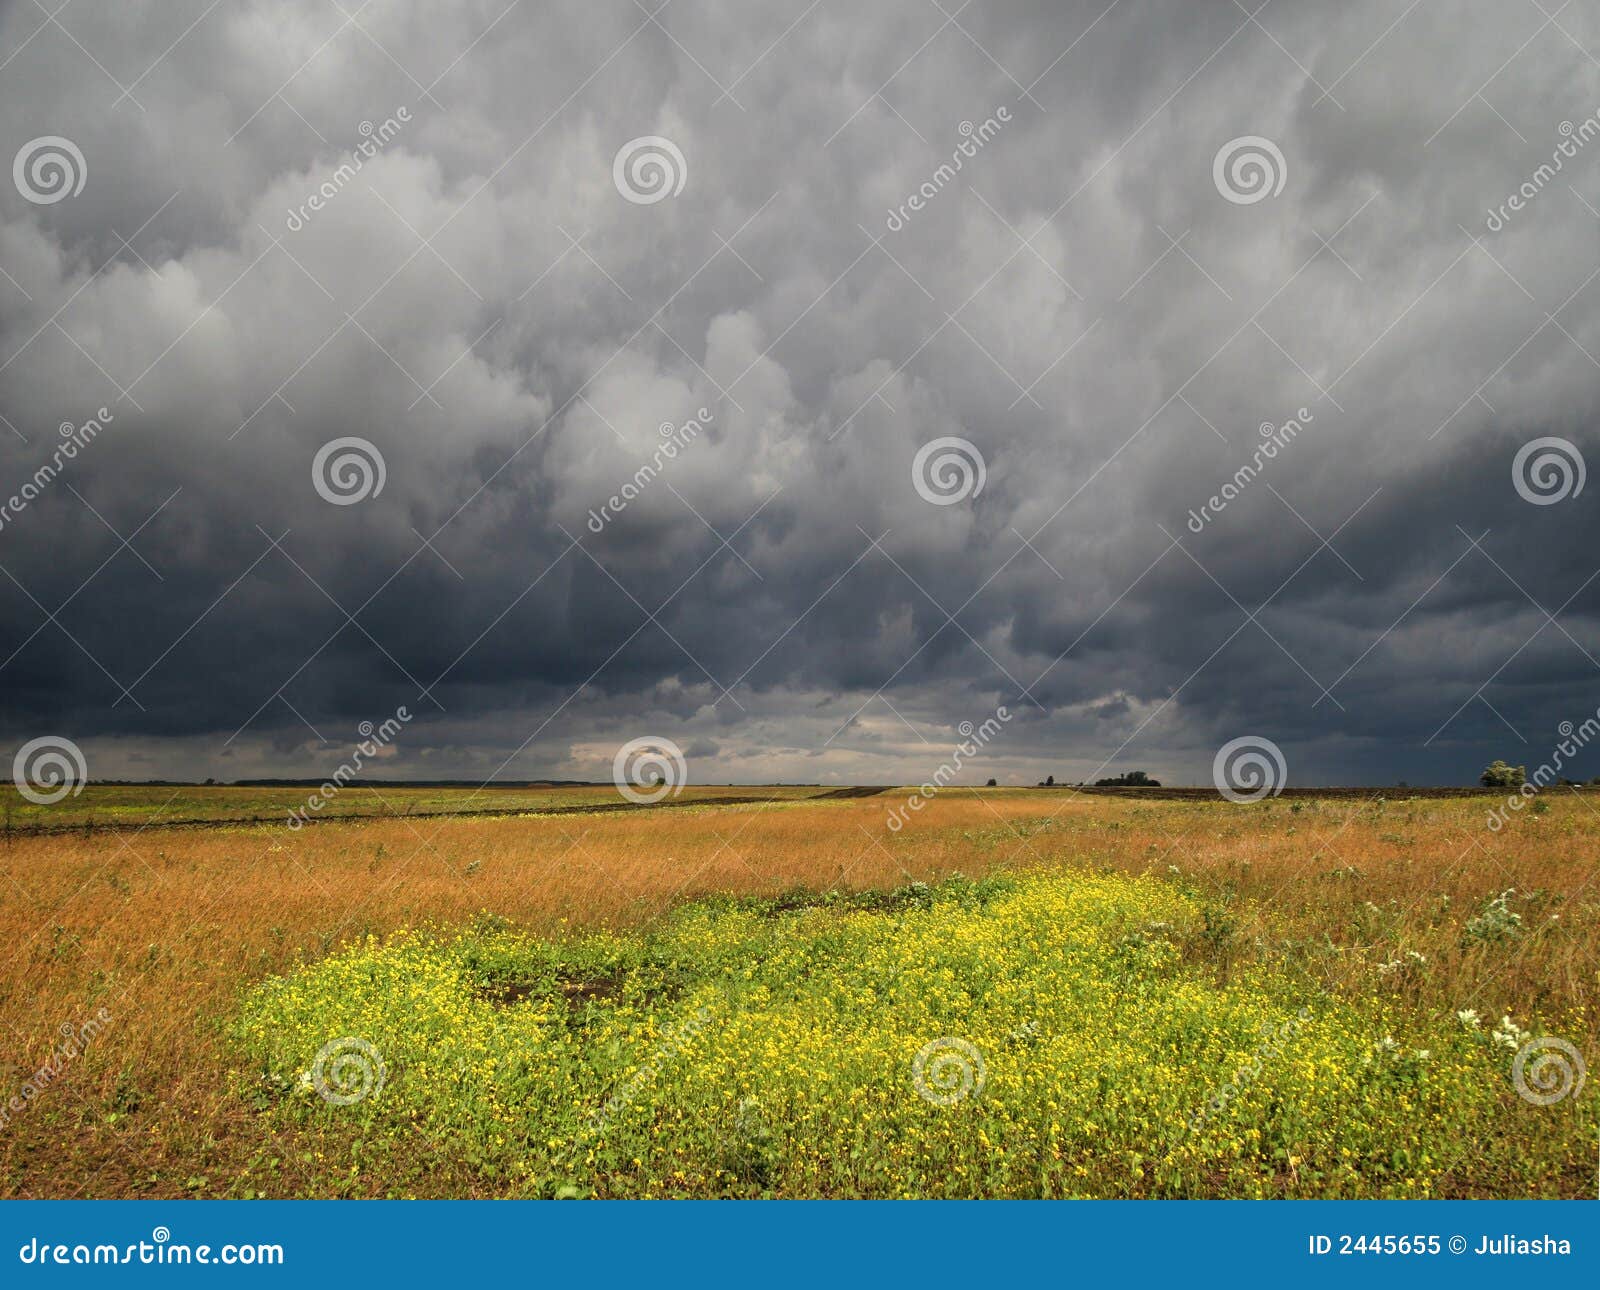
(1497, 774)
(1050, 1034)
(142, 805)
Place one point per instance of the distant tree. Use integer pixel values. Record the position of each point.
(210, 782)
(991, 784)
(1499, 775)
(1133, 779)
(1049, 781)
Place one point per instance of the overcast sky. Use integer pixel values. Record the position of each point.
(573, 224)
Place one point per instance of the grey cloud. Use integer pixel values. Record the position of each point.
(481, 304)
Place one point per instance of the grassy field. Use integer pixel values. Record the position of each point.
(116, 805)
(1021, 992)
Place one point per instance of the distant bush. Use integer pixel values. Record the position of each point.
(1499, 775)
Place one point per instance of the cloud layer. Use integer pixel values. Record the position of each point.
(1014, 225)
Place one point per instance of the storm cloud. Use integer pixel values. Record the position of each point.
(1109, 252)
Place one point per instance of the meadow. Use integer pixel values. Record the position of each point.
(178, 805)
(1020, 993)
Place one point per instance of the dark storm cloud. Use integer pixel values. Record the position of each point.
(1079, 302)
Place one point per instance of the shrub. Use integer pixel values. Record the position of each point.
(1499, 775)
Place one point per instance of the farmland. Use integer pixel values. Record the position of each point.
(1021, 992)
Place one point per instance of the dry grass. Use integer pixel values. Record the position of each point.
(164, 928)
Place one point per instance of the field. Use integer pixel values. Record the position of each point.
(176, 806)
(1021, 992)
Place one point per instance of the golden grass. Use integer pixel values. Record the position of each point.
(165, 928)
